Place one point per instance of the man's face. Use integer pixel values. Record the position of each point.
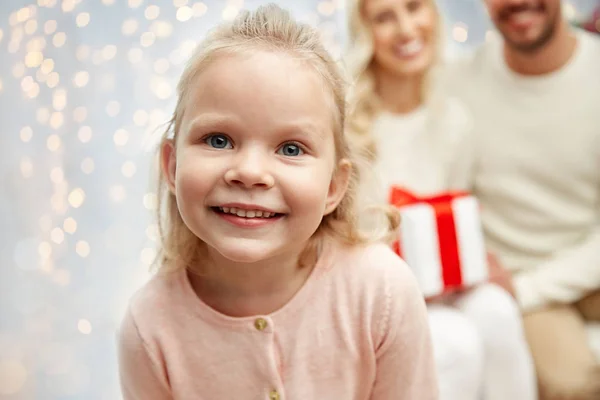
(526, 25)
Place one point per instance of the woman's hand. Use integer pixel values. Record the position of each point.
(499, 275)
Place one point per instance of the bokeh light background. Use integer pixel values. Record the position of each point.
(85, 88)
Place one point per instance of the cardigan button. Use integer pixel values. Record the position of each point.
(260, 324)
(274, 395)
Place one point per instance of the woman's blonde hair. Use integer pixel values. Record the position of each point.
(269, 28)
(364, 102)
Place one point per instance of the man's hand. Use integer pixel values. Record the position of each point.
(500, 276)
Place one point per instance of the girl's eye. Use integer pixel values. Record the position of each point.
(218, 141)
(290, 150)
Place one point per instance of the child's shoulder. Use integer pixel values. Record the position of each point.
(157, 298)
(375, 266)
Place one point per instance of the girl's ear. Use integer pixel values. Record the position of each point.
(168, 162)
(338, 186)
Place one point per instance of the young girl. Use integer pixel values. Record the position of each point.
(266, 289)
(418, 139)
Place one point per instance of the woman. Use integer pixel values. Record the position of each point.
(418, 138)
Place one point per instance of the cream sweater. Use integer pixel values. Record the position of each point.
(538, 169)
(427, 151)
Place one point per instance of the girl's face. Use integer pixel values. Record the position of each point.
(403, 34)
(254, 166)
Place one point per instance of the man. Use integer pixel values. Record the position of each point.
(535, 98)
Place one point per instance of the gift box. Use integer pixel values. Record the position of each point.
(441, 239)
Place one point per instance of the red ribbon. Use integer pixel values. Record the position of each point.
(446, 229)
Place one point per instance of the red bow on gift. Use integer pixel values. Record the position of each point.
(446, 229)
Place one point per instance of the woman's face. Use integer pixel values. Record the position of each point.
(403, 34)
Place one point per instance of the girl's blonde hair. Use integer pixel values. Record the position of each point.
(365, 104)
(268, 28)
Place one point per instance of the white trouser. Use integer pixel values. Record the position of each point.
(480, 347)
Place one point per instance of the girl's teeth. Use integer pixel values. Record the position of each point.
(247, 213)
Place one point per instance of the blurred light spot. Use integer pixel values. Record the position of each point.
(79, 114)
(57, 175)
(13, 376)
(128, 169)
(82, 19)
(135, 3)
(26, 167)
(45, 250)
(152, 232)
(161, 88)
(326, 8)
(185, 13)
(68, 5)
(27, 83)
(1, 85)
(113, 108)
(150, 201)
(229, 13)
(152, 12)
(42, 115)
(140, 118)
(76, 198)
(31, 26)
(70, 225)
(61, 277)
(58, 203)
(53, 142)
(179, 3)
(117, 193)
(26, 133)
(460, 32)
(56, 120)
(81, 78)
(121, 137)
(36, 44)
(84, 326)
(82, 248)
(50, 27)
(84, 134)
(569, 11)
(59, 99)
(108, 2)
(199, 9)
(34, 59)
(23, 14)
(161, 29)
(187, 47)
(147, 39)
(18, 70)
(33, 91)
(135, 55)
(129, 27)
(52, 80)
(147, 255)
(57, 235)
(59, 39)
(47, 66)
(109, 52)
(87, 166)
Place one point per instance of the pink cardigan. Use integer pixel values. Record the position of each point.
(357, 330)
